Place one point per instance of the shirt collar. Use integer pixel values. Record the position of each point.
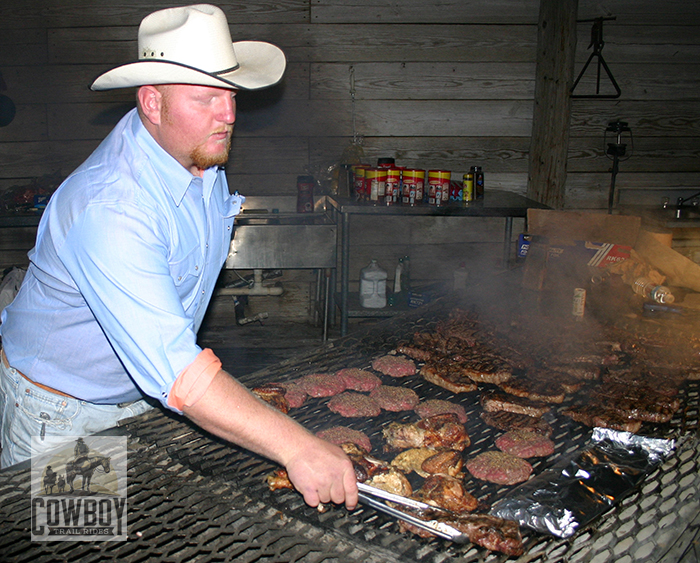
(177, 179)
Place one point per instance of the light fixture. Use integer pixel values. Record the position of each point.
(617, 151)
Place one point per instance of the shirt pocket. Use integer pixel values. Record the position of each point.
(187, 273)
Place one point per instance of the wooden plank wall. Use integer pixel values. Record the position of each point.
(444, 85)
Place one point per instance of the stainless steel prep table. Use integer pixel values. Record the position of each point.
(495, 203)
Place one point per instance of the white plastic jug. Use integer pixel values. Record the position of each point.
(373, 286)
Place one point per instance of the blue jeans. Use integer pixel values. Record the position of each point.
(27, 410)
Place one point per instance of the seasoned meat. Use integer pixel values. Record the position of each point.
(392, 481)
(499, 467)
(446, 462)
(414, 352)
(394, 366)
(596, 415)
(294, 394)
(278, 479)
(525, 443)
(448, 493)
(274, 395)
(531, 388)
(412, 460)
(446, 374)
(395, 399)
(439, 432)
(491, 532)
(342, 434)
(351, 405)
(359, 379)
(494, 401)
(321, 384)
(432, 407)
(504, 420)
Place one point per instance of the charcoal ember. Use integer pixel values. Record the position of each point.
(432, 407)
(499, 467)
(339, 435)
(358, 379)
(493, 401)
(394, 366)
(351, 404)
(395, 399)
(525, 444)
(504, 420)
(321, 384)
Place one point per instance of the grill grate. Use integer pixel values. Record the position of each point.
(194, 498)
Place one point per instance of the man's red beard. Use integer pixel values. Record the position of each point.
(204, 160)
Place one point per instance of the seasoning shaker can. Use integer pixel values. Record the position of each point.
(468, 187)
(305, 194)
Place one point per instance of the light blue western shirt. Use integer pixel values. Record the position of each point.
(127, 255)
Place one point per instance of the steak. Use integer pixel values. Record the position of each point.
(339, 435)
(394, 366)
(504, 420)
(358, 379)
(596, 415)
(444, 374)
(321, 384)
(531, 388)
(351, 405)
(395, 399)
(525, 443)
(500, 468)
(494, 401)
(432, 407)
(414, 352)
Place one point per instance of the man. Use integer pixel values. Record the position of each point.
(127, 255)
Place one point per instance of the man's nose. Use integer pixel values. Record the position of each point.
(228, 113)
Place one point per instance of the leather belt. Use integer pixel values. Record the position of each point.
(40, 385)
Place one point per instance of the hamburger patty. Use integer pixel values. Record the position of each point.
(431, 407)
(500, 468)
(342, 435)
(351, 404)
(395, 399)
(358, 379)
(394, 366)
(321, 384)
(525, 443)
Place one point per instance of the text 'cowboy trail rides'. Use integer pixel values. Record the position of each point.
(79, 489)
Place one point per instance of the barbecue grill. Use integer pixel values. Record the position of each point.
(192, 497)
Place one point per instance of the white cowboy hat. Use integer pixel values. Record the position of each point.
(192, 45)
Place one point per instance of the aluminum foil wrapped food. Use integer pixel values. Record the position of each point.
(585, 484)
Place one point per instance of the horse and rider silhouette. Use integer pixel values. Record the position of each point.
(82, 464)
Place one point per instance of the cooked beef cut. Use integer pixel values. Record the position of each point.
(663, 384)
(352, 405)
(596, 415)
(504, 420)
(646, 397)
(414, 352)
(499, 467)
(581, 370)
(394, 366)
(569, 383)
(431, 407)
(446, 462)
(395, 399)
(646, 411)
(445, 374)
(529, 387)
(321, 384)
(342, 434)
(358, 379)
(491, 532)
(274, 395)
(493, 400)
(448, 493)
(440, 432)
(525, 443)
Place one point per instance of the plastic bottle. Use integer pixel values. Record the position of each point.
(373, 286)
(647, 288)
(398, 275)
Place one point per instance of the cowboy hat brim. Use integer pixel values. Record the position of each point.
(260, 65)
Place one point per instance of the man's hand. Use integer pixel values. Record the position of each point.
(323, 473)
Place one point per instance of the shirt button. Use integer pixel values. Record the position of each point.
(179, 278)
(196, 267)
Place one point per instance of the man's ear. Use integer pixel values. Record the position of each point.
(150, 101)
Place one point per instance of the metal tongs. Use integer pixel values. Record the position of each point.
(370, 496)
